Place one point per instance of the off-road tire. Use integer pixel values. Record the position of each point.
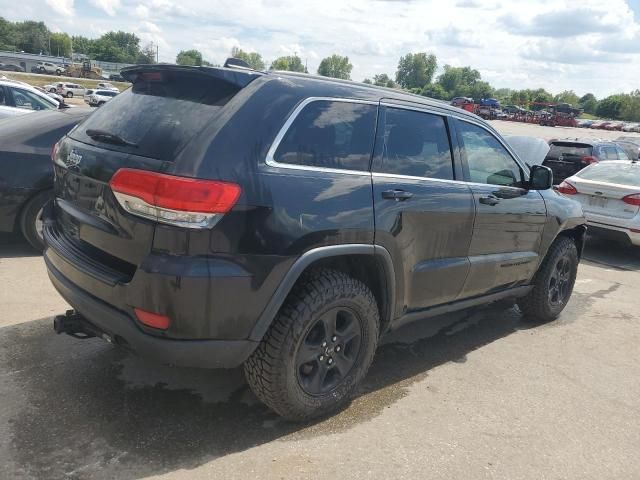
(271, 370)
(29, 216)
(536, 305)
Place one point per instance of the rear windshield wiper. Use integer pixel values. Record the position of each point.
(107, 137)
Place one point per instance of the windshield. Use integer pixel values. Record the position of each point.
(613, 172)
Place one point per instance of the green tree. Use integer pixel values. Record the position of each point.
(589, 103)
(82, 44)
(32, 37)
(630, 109)
(335, 66)
(60, 44)
(610, 107)
(383, 80)
(480, 89)
(7, 35)
(458, 81)
(147, 55)
(189, 57)
(435, 90)
(568, 96)
(367, 81)
(415, 70)
(292, 63)
(253, 59)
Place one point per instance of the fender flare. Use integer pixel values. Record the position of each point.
(320, 253)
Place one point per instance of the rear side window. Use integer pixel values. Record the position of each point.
(160, 113)
(330, 134)
(570, 149)
(416, 144)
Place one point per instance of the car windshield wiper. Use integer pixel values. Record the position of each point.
(107, 137)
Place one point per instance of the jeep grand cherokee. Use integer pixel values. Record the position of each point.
(215, 217)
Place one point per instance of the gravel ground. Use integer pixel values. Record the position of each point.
(479, 394)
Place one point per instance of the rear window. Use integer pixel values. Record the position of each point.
(160, 113)
(330, 134)
(610, 172)
(570, 149)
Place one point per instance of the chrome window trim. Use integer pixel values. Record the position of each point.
(270, 160)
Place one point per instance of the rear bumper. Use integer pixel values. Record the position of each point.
(122, 329)
(614, 232)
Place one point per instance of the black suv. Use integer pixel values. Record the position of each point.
(214, 217)
(568, 156)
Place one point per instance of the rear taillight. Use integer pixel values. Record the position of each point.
(180, 201)
(589, 160)
(567, 189)
(633, 199)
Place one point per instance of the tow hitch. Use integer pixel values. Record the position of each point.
(74, 324)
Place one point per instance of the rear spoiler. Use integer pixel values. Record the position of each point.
(238, 77)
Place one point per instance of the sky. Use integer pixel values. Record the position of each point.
(586, 45)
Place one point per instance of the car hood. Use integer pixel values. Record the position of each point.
(531, 150)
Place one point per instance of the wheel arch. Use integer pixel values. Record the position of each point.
(578, 234)
(370, 264)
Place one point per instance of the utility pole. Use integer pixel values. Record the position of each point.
(157, 54)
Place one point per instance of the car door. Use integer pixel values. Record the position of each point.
(423, 215)
(509, 221)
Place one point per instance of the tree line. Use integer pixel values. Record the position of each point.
(35, 37)
(416, 72)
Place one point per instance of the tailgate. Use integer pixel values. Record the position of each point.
(86, 209)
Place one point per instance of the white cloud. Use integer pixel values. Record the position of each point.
(63, 7)
(556, 44)
(110, 7)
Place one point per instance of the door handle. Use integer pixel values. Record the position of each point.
(490, 200)
(397, 195)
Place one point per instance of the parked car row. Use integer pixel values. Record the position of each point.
(610, 125)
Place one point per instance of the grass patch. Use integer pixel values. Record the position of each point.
(38, 80)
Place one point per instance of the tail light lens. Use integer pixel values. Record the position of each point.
(567, 189)
(589, 160)
(180, 201)
(632, 199)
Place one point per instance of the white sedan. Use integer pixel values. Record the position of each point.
(610, 196)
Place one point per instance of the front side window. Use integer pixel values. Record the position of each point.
(330, 134)
(488, 161)
(416, 144)
(29, 101)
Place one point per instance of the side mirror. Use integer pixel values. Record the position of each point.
(540, 178)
